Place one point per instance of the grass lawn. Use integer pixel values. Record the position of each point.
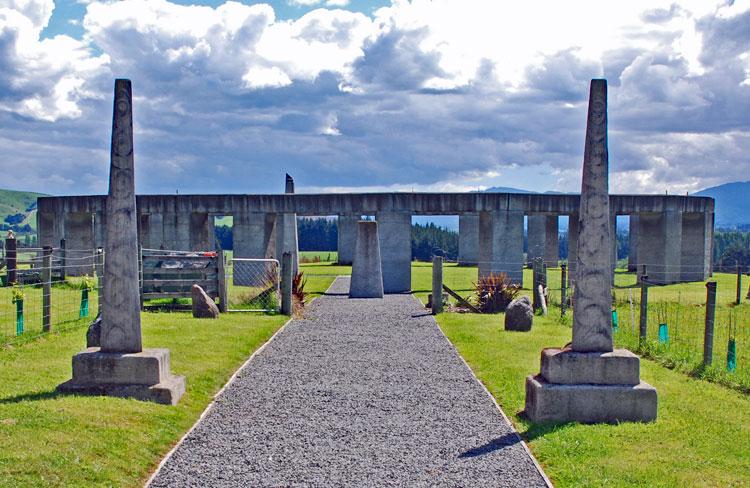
(50, 439)
(699, 439)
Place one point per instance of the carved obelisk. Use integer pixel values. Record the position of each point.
(121, 367)
(592, 315)
(589, 381)
(121, 308)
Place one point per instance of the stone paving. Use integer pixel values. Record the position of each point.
(360, 392)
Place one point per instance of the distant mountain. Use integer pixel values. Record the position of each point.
(18, 211)
(506, 189)
(732, 203)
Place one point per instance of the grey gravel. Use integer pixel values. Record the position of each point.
(360, 392)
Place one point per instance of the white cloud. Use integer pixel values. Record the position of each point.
(423, 94)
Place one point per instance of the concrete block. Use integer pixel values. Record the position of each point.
(619, 367)
(468, 239)
(549, 402)
(347, 237)
(147, 367)
(143, 376)
(367, 273)
(168, 392)
(395, 250)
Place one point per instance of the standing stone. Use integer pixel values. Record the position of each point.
(519, 315)
(592, 315)
(589, 382)
(120, 366)
(367, 270)
(286, 230)
(121, 311)
(202, 304)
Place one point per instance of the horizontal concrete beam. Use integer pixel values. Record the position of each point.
(371, 203)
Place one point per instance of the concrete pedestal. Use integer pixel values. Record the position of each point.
(144, 375)
(589, 387)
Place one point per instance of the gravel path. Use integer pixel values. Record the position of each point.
(358, 393)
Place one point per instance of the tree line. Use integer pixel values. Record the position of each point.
(428, 240)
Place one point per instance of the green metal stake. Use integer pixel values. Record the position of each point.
(615, 322)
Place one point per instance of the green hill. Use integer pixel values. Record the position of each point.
(18, 210)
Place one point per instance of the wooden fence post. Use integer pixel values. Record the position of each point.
(437, 285)
(63, 259)
(708, 336)
(286, 283)
(644, 304)
(11, 259)
(223, 295)
(563, 289)
(47, 288)
(739, 283)
(99, 264)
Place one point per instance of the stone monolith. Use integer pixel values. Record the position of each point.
(120, 366)
(367, 268)
(589, 381)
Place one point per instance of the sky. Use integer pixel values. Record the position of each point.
(374, 95)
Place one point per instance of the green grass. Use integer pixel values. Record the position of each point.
(322, 256)
(699, 439)
(50, 439)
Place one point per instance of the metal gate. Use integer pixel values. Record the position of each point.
(253, 285)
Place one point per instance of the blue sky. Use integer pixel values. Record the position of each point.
(409, 95)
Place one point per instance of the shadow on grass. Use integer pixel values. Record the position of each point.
(497, 444)
(30, 397)
(535, 431)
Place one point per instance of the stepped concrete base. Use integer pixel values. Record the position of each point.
(143, 376)
(588, 403)
(564, 366)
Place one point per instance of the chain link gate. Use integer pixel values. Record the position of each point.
(253, 285)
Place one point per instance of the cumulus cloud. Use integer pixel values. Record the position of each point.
(420, 94)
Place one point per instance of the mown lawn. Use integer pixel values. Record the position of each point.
(699, 439)
(51, 439)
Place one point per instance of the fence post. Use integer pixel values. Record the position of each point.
(99, 263)
(563, 289)
(63, 258)
(536, 273)
(437, 285)
(140, 274)
(47, 288)
(222, 283)
(644, 304)
(708, 336)
(10, 260)
(286, 283)
(739, 283)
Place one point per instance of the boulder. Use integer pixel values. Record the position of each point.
(519, 315)
(203, 306)
(94, 332)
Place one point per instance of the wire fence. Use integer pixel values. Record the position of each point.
(49, 291)
(253, 285)
(675, 312)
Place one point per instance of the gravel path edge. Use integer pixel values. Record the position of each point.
(497, 405)
(210, 406)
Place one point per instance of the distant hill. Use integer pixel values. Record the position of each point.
(732, 203)
(18, 211)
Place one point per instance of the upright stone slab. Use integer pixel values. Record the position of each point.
(120, 367)
(537, 236)
(697, 238)
(468, 239)
(633, 243)
(589, 382)
(286, 231)
(551, 241)
(660, 245)
(347, 238)
(395, 249)
(501, 244)
(367, 274)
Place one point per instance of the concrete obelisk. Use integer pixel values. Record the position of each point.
(121, 367)
(121, 310)
(589, 381)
